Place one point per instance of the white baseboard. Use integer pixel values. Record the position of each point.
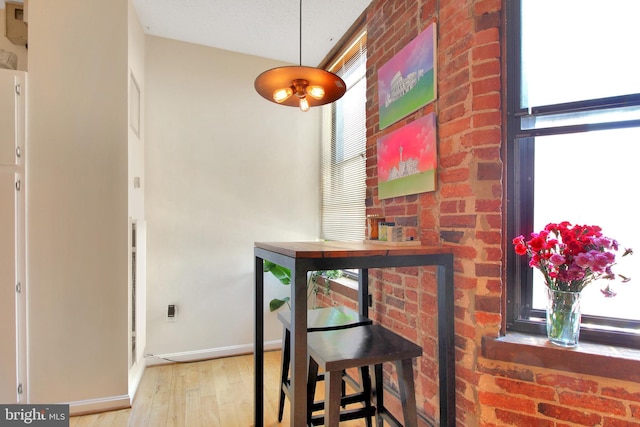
(209, 353)
(92, 406)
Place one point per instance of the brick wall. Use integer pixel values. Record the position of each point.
(465, 213)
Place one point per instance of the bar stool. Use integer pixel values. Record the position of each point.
(325, 319)
(338, 350)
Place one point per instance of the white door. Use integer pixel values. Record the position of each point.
(12, 235)
(8, 294)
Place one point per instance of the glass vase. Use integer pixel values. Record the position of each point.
(563, 317)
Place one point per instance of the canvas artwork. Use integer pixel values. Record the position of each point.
(408, 81)
(407, 159)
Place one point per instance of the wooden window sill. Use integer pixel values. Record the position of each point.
(588, 358)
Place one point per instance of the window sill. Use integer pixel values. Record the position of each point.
(588, 358)
(345, 286)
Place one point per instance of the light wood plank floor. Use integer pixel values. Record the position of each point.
(211, 393)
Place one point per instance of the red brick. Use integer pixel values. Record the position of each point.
(490, 237)
(488, 270)
(484, 86)
(489, 171)
(484, 205)
(595, 403)
(464, 221)
(454, 127)
(455, 175)
(465, 330)
(515, 419)
(563, 381)
(488, 35)
(482, 137)
(452, 206)
(489, 101)
(493, 254)
(486, 51)
(487, 153)
(484, 319)
(612, 422)
(567, 414)
(486, 69)
(620, 393)
(454, 159)
(485, 119)
(526, 388)
(499, 400)
(455, 190)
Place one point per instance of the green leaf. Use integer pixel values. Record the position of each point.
(276, 303)
(280, 273)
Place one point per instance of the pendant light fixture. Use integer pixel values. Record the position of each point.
(299, 86)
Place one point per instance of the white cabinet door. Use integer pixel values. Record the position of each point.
(8, 296)
(11, 115)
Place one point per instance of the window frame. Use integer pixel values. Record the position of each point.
(519, 179)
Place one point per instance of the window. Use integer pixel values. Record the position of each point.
(573, 143)
(343, 150)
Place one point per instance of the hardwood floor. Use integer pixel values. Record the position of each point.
(211, 393)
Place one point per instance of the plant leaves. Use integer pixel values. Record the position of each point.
(280, 273)
(276, 303)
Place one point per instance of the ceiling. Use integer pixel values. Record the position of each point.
(266, 28)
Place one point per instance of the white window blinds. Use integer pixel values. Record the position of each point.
(343, 150)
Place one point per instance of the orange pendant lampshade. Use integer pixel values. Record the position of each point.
(300, 86)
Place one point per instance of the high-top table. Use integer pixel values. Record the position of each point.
(302, 257)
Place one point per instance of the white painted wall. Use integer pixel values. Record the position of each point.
(224, 168)
(77, 203)
(220, 168)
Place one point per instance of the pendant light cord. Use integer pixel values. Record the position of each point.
(301, 33)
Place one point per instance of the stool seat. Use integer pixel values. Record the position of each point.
(338, 350)
(324, 319)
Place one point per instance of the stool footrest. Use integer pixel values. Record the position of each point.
(347, 415)
(361, 397)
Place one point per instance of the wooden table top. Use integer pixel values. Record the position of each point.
(334, 249)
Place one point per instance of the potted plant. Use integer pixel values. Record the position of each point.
(284, 276)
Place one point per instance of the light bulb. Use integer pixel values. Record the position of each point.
(316, 91)
(304, 104)
(282, 95)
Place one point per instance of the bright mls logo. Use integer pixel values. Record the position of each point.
(34, 415)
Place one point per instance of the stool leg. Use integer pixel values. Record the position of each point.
(284, 370)
(378, 390)
(365, 377)
(332, 381)
(404, 369)
(312, 380)
(344, 386)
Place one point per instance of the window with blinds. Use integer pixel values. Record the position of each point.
(344, 143)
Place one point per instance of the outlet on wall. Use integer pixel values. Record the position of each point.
(171, 312)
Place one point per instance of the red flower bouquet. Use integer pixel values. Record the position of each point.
(571, 257)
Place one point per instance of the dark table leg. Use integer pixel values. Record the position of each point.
(446, 348)
(258, 351)
(298, 395)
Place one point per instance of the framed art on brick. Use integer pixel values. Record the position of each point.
(407, 159)
(407, 82)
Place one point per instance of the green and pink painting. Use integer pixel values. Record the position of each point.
(407, 159)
